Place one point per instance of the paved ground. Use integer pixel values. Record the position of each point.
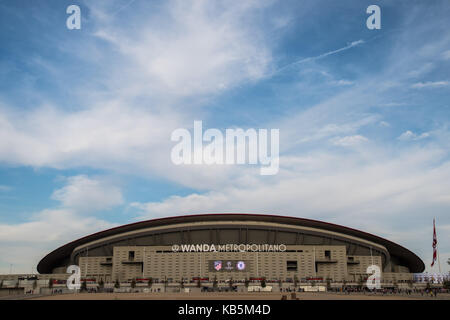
(233, 296)
(22, 297)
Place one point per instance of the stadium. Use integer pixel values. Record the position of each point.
(241, 247)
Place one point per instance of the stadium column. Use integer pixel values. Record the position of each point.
(314, 260)
(86, 264)
(257, 265)
(143, 264)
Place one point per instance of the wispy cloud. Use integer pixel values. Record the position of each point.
(344, 82)
(392, 104)
(5, 188)
(349, 141)
(129, 3)
(446, 55)
(409, 135)
(320, 56)
(195, 48)
(431, 84)
(25, 243)
(425, 68)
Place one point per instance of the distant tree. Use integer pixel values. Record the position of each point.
(448, 261)
(182, 283)
(198, 283)
(395, 283)
(230, 282)
(328, 284)
(34, 284)
(50, 283)
(446, 284)
(360, 282)
(117, 284)
(263, 282)
(1, 284)
(150, 282)
(101, 284)
(246, 282)
(215, 282)
(410, 283)
(295, 281)
(83, 286)
(133, 283)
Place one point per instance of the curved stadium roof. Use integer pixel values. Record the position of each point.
(57, 257)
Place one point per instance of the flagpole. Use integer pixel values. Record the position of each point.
(437, 249)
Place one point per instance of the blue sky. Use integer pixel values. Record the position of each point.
(86, 116)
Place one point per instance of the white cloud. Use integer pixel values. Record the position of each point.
(49, 226)
(446, 55)
(344, 82)
(349, 141)
(320, 56)
(111, 137)
(4, 188)
(281, 21)
(409, 135)
(192, 48)
(24, 244)
(392, 104)
(84, 194)
(431, 84)
(108, 136)
(425, 68)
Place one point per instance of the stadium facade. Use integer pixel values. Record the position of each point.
(236, 246)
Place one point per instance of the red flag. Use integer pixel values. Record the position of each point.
(434, 244)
